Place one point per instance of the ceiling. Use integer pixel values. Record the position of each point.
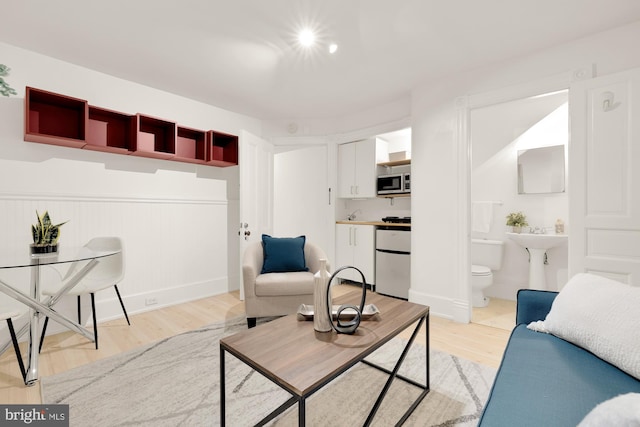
(242, 55)
(498, 126)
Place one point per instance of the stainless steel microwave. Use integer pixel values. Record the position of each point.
(396, 183)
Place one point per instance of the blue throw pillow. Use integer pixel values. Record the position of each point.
(283, 254)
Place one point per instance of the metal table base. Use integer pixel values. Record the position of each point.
(301, 400)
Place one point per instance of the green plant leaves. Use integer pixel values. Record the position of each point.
(44, 232)
(517, 219)
(5, 89)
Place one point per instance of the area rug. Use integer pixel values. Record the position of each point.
(175, 382)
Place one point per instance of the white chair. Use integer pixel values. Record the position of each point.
(8, 313)
(109, 272)
(277, 294)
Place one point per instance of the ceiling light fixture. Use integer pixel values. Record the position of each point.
(306, 37)
(333, 48)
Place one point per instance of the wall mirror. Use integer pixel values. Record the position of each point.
(541, 170)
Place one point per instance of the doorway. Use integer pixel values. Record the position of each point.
(302, 204)
(497, 132)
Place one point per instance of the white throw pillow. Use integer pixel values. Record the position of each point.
(600, 315)
(621, 411)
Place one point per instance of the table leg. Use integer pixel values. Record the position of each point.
(302, 413)
(34, 330)
(43, 309)
(36, 308)
(427, 350)
(32, 360)
(222, 388)
(394, 374)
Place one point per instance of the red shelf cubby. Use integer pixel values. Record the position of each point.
(110, 131)
(155, 138)
(55, 119)
(223, 149)
(190, 145)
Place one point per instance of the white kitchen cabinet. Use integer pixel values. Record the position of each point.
(357, 171)
(355, 246)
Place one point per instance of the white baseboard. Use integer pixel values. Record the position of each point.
(438, 306)
(461, 311)
(108, 306)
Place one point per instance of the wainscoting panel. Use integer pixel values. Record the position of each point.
(175, 249)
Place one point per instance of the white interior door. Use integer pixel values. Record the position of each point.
(256, 191)
(604, 177)
(302, 200)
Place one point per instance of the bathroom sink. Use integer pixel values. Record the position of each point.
(538, 241)
(537, 245)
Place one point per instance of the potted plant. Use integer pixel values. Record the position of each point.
(517, 220)
(45, 235)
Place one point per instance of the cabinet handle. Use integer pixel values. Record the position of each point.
(355, 236)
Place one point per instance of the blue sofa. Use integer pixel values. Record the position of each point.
(546, 381)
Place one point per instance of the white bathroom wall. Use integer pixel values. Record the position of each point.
(174, 217)
(496, 139)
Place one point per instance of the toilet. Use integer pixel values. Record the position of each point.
(486, 257)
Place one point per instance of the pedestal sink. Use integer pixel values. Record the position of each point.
(537, 245)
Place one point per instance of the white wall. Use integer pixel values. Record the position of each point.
(175, 218)
(496, 141)
(437, 175)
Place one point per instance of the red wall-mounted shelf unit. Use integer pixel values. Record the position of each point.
(51, 118)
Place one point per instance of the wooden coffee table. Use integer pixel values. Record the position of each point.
(294, 356)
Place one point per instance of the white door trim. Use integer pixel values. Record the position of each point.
(461, 303)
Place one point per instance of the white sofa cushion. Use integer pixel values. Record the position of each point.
(621, 411)
(279, 284)
(600, 315)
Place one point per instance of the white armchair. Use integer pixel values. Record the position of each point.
(280, 293)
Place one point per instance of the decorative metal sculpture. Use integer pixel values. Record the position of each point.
(350, 326)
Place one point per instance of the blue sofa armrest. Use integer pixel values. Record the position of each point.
(533, 305)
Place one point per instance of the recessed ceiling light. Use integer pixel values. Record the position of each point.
(306, 37)
(333, 48)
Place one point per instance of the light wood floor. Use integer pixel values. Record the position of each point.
(500, 313)
(61, 352)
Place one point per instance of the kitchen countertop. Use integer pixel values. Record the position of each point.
(377, 223)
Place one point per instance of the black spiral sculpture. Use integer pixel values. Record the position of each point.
(350, 326)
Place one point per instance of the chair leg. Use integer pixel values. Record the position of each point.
(79, 312)
(16, 347)
(95, 324)
(251, 322)
(124, 310)
(44, 331)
